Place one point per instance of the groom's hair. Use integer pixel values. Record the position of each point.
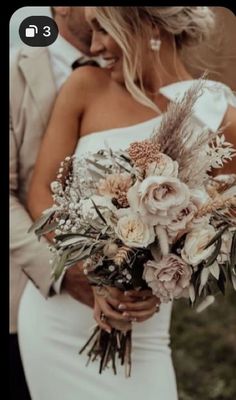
(52, 12)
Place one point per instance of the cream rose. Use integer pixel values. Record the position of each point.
(134, 232)
(164, 166)
(169, 278)
(158, 198)
(199, 197)
(193, 251)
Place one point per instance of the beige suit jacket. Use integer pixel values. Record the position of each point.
(32, 95)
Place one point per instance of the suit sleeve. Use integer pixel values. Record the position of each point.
(31, 255)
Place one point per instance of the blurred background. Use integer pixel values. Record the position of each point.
(204, 345)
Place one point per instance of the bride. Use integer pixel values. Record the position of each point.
(115, 106)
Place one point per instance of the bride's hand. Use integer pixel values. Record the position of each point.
(134, 304)
(104, 308)
(131, 306)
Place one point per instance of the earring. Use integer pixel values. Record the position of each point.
(155, 44)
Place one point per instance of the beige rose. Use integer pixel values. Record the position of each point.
(158, 198)
(169, 278)
(165, 166)
(134, 232)
(193, 251)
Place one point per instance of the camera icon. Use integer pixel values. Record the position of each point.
(31, 31)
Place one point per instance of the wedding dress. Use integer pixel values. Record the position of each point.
(52, 331)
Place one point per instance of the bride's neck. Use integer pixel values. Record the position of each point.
(168, 69)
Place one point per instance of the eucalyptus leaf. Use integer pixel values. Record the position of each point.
(99, 213)
(72, 241)
(233, 253)
(216, 237)
(46, 228)
(203, 279)
(62, 238)
(125, 156)
(215, 270)
(60, 264)
(83, 254)
(123, 167)
(42, 220)
(233, 279)
(221, 282)
(66, 236)
(96, 175)
(215, 253)
(98, 166)
(192, 293)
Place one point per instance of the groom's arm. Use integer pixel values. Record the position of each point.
(33, 256)
(26, 251)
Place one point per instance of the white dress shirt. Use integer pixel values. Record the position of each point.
(62, 55)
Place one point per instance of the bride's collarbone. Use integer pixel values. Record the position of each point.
(112, 118)
(111, 112)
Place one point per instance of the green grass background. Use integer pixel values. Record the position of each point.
(204, 349)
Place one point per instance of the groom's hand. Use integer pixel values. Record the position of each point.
(77, 285)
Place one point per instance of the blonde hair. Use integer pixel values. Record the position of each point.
(131, 27)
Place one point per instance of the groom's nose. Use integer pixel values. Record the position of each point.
(96, 46)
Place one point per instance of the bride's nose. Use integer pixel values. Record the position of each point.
(96, 45)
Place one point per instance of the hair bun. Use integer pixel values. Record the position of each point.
(195, 25)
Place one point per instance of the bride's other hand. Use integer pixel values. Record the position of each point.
(133, 306)
(103, 307)
(136, 305)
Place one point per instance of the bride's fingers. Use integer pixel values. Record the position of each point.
(118, 295)
(107, 295)
(109, 311)
(140, 316)
(138, 294)
(113, 302)
(139, 305)
(100, 321)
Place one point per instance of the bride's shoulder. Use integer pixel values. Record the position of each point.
(88, 78)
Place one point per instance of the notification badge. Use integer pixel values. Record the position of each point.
(38, 31)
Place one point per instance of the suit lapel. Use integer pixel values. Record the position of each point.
(36, 68)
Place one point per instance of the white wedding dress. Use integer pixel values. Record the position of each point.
(52, 331)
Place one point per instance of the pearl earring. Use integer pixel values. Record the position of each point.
(155, 44)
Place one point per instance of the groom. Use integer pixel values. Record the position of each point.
(36, 75)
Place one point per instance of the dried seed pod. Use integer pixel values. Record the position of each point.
(123, 255)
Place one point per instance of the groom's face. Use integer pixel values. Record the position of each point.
(104, 45)
(74, 27)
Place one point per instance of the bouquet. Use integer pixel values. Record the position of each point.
(149, 216)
